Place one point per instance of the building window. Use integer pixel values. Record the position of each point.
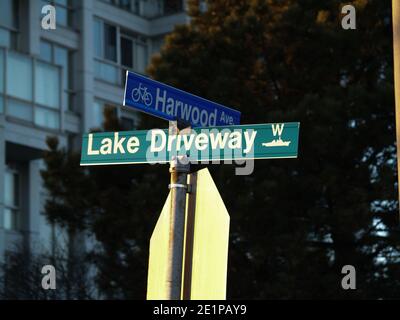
(149, 8)
(46, 85)
(39, 99)
(46, 51)
(157, 43)
(128, 118)
(128, 5)
(133, 51)
(127, 123)
(2, 70)
(110, 42)
(172, 6)
(126, 52)
(62, 57)
(98, 112)
(112, 62)
(97, 115)
(107, 72)
(9, 13)
(19, 69)
(11, 199)
(98, 38)
(63, 11)
(9, 23)
(20, 109)
(105, 40)
(105, 43)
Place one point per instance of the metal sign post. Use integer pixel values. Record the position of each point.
(179, 169)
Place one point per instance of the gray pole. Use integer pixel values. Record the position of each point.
(179, 171)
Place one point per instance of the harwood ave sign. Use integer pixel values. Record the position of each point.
(258, 141)
(169, 103)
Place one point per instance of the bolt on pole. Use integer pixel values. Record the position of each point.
(179, 169)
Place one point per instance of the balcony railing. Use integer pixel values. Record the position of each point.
(30, 89)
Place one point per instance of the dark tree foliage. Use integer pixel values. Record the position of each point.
(117, 204)
(294, 222)
(21, 276)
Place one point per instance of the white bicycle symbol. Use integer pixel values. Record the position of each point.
(142, 94)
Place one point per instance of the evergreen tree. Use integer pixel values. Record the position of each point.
(118, 205)
(296, 223)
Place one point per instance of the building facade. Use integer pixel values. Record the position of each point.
(57, 83)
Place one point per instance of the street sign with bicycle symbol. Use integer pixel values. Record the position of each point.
(141, 94)
(169, 103)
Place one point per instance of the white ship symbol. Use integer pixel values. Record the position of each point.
(276, 143)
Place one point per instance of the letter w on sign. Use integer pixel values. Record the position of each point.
(277, 129)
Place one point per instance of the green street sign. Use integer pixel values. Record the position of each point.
(241, 142)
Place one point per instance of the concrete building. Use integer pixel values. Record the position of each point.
(57, 82)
